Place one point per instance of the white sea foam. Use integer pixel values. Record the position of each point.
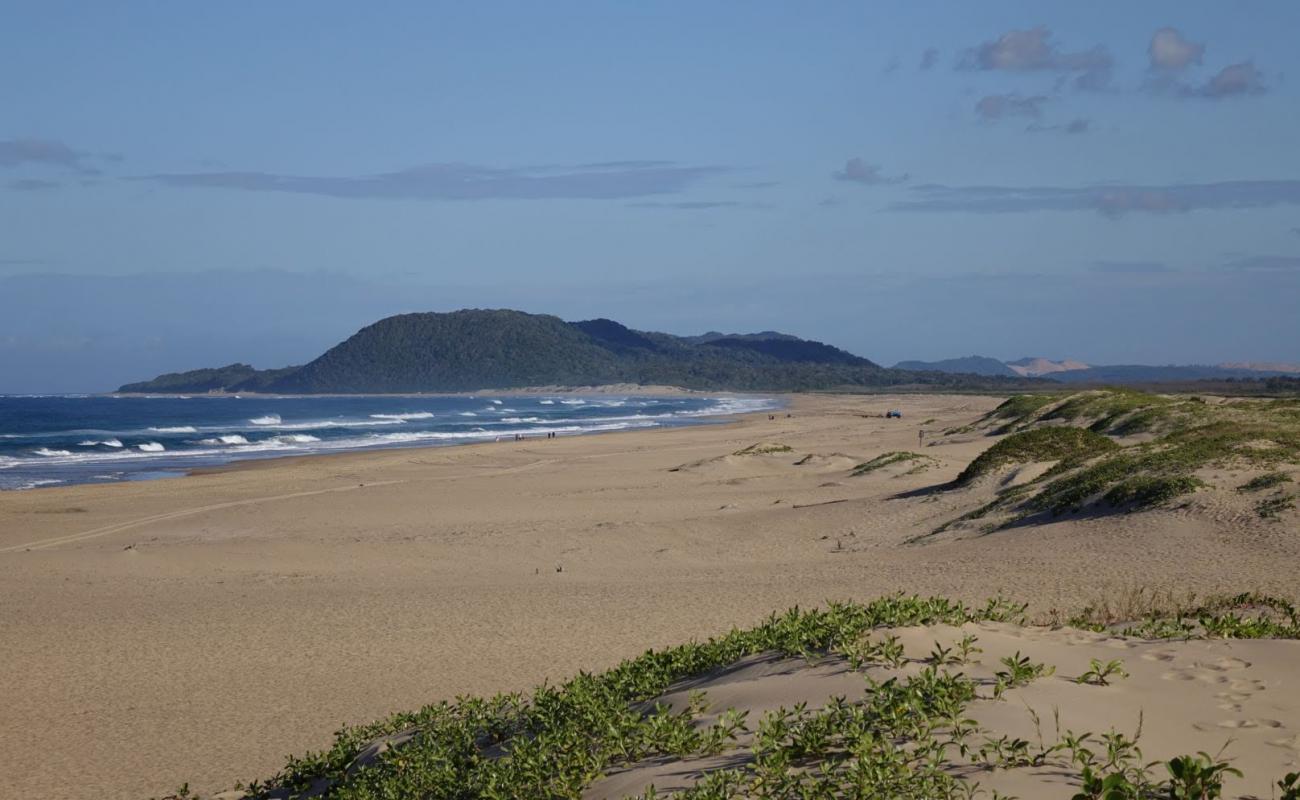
(733, 405)
(147, 447)
(518, 420)
(34, 484)
(233, 438)
(547, 402)
(404, 417)
(328, 423)
(497, 402)
(48, 453)
(296, 438)
(104, 442)
(269, 419)
(468, 414)
(176, 429)
(574, 402)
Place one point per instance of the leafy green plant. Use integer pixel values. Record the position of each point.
(1020, 670)
(1099, 674)
(1198, 777)
(966, 648)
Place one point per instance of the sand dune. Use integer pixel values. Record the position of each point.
(1237, 698)
(202, 629)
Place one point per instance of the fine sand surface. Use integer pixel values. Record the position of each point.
(204, 628)
(1238, 697)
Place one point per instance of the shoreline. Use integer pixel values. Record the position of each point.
(171, 470)
(723, 420)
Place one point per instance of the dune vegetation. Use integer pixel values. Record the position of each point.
(918, 462)
(908, 735)
(1120, 449)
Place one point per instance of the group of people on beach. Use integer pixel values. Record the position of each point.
(519, 437)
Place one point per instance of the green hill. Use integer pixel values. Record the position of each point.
(502, 349)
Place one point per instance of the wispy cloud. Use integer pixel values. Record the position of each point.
(1114, 200)
(1130, 267)
(1073, 127)
(857, 170)
(598, 181)
(929, 58)
(32, 185)
(993, 107)
(1033, 50)
(50, 153)
(1261, 263)
(698, 205)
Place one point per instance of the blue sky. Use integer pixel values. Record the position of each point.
(183, 183)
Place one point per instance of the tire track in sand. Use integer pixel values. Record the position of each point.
(184, 512)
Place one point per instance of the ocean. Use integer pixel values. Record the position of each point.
(55, 440)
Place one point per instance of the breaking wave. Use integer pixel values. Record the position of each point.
(105, 443)
(229, 439)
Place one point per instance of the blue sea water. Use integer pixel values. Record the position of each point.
(60, 439)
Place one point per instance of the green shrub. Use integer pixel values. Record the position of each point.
(1146, 491)
(1266, 481)
(1073, 445)
(893, 457)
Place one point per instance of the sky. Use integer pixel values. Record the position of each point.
(187, 184)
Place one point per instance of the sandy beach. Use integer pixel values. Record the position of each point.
(201, 629)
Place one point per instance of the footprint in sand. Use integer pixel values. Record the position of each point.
(1238, 724)
(1289, 742)
(1247, 685)
(1159, 655)
(1232, 697)
(1224, 664)
(1193, 674)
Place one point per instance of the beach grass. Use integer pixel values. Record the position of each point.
(905, 737)
(1096, 469)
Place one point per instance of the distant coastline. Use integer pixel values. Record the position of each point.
(62, 440)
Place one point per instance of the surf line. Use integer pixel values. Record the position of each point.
(186, 512)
